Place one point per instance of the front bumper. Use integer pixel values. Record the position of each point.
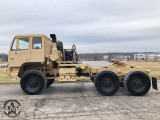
(154, 83)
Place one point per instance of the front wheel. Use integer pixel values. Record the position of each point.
(137, 83)
(33, 82)
(106, 82)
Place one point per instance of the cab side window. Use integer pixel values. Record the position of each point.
(23, 44)
(37, 43)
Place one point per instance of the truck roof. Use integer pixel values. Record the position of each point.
(31, 35)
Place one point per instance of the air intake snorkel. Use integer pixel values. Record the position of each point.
(54, 39)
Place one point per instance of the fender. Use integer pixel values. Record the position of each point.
(29, 64)
(154, 83)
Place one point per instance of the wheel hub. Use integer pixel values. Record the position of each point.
(138, 84)
(32, 83)
(107, 84)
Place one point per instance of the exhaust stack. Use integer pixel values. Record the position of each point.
(54, 39)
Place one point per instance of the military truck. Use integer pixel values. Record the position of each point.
(39, 60)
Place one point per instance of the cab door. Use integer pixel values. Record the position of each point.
(19, 51)
(37, 50)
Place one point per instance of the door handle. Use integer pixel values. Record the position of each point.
(27, 59)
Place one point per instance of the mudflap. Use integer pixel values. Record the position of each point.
(154, 83)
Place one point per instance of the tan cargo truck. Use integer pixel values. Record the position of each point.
(39, 60)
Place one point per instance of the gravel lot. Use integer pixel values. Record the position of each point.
(81, 101)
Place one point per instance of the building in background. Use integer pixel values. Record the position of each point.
(105, 57)
(3, 65)
(139, 56)
(125, 58)
(153, 57)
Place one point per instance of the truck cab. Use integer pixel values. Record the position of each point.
(28, 48)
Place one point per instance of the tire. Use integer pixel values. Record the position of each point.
(92, 78)
(137, 83)
(106, 82)
(50, 82)
(33, 82)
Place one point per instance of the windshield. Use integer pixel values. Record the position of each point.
(20, 44)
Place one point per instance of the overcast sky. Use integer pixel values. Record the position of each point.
(93, 25)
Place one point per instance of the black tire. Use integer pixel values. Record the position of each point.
(92, 78)
(107, 82)
(33, 82)
(50, 82)
(137, 83)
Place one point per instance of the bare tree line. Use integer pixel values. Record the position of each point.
(3, 57)
(94, 56)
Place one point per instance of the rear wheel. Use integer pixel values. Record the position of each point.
(107, 82)
(137, 83)
(33, 82)
(50, 82)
